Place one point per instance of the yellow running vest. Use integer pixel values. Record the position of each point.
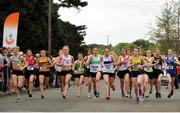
(136, 61)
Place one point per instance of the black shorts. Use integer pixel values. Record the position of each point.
(46, 74)
(150, 75)
(157, 72)
(77, 75)
(87, 73)
(28, 73)
(110, 74)
(121, 74)
(143, 72)
(18, 73)
(93, 75)
(58, 73)
(64, 73)
(135, 74)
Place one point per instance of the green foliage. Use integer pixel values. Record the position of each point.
(165, 30)
(73, 3)
(117, 48)
(33, 25)
(144, 44)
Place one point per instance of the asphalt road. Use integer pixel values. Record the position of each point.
(53, 102)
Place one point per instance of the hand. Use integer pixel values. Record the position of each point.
(21, 68)
(140, 66)
(76, 72)
(36, 66)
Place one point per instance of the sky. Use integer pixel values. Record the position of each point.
(120, 20)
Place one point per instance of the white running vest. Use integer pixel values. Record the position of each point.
(107, 65)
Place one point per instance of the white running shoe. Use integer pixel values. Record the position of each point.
(89, 95)
(19, 100)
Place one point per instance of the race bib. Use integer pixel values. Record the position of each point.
(94, 68)
(108, 69)
(43, 68)
(30, 68)
(170, 67)
(124, 66)
(157, 66)
(58, 68)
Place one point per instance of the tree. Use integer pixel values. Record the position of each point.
(165, 30)
(144, 44)
(33, 26)
(117, 47)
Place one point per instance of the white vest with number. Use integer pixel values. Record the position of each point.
(108, 65)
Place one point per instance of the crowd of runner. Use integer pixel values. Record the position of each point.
(135, 71)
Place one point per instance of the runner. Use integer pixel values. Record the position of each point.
(44, 64)
(95, 62)
(136, 64)
(158, 73)
(78, 68)
(170, 70)
(30, 70)
(108, 72)
(2, 60)
(58, 68)
(129, 54)
(67, 63)
(18, 64)
(123, 73)
(88, 80)
(148, 73)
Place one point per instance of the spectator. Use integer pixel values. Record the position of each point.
(6, 70)
(1, 68)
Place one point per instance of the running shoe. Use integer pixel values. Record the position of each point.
(127, 95)
(147, 95)
(42, 96)
(19, 100)
(97, 94)
(141, 99)
(159, 94)
(107, 98)
(89, 95)
(64, 97)
(169, 96)
(30, 95)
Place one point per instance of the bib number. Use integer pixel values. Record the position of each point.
(170, 67)
(157, 67)
(94, 68)
(43, 68)
(30, 68)
(58, 68)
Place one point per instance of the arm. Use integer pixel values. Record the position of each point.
(73, 66)
(130, 64)
(101, 62)
(88, 60)
(9, 63)
(51, 64)
(25, 62)
(151, 63)
(73, 62)
(176, 61)
(114, 61)
(119, 61)
(56, 61)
